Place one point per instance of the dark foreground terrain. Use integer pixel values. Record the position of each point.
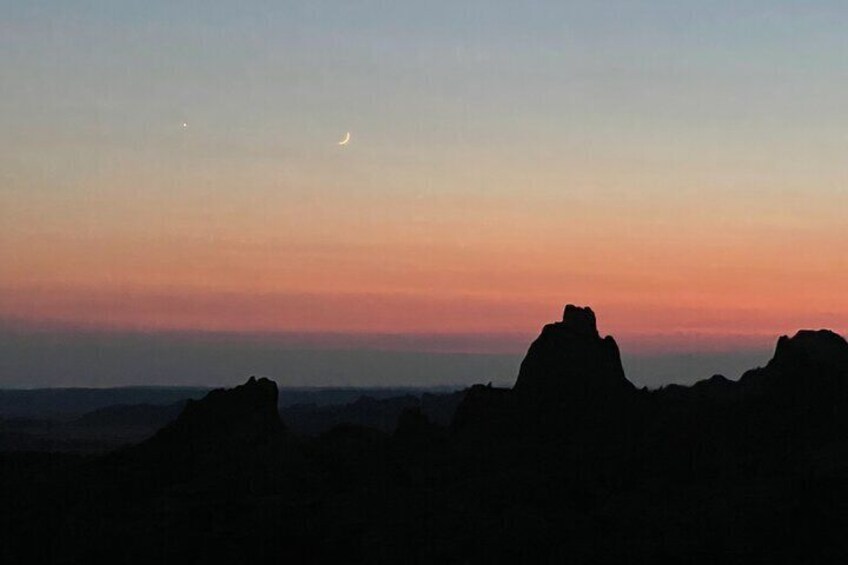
(573, 464)
(97, 420)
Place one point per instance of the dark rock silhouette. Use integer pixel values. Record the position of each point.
(717, 387)
(573, 464)
(570, 373)
(247, 414)
(377, 413)
(487, 410)
(809, 362)
(570, 362)
(415, 428)
(131, 415)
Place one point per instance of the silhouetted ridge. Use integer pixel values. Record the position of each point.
(570, 360)
(488, 408)
(811, 348)
(246, 413)
(132, 415)
(715, 385)
(715, 388)
(810, 361)
(570, 373)
(572, 465)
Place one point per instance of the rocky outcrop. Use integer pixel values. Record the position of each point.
(571, 362)
(812, 362)
(487, 409)
(811, 349)
(569, 373)
(246, 414)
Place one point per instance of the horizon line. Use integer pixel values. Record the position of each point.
(630, 343)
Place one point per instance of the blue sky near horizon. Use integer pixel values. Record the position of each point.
(96, 359)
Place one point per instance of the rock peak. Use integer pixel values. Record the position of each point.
(244, 414)
(569, 360)
(811, 347)
(580, 320)
(810, 362)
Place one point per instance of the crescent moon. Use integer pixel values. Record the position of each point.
(345, 140)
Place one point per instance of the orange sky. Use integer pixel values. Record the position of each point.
(683, 173)
(475, 276)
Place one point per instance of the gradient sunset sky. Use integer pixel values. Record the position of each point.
(682, 167)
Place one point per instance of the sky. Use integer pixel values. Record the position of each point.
(172, 168)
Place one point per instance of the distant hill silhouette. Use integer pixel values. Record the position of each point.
(569, 373)
(306, 411)
(378, 413)
(244, 414)
(71, 403)
(809, 363)
(131, 415)
(572, 464)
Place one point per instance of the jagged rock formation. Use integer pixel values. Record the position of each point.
(573, 464)
(242, 416)
(569, 372)
(715, 388)
(570, 362)
(810, 362)
(487, 409)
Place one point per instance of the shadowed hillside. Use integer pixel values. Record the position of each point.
(572, 464)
